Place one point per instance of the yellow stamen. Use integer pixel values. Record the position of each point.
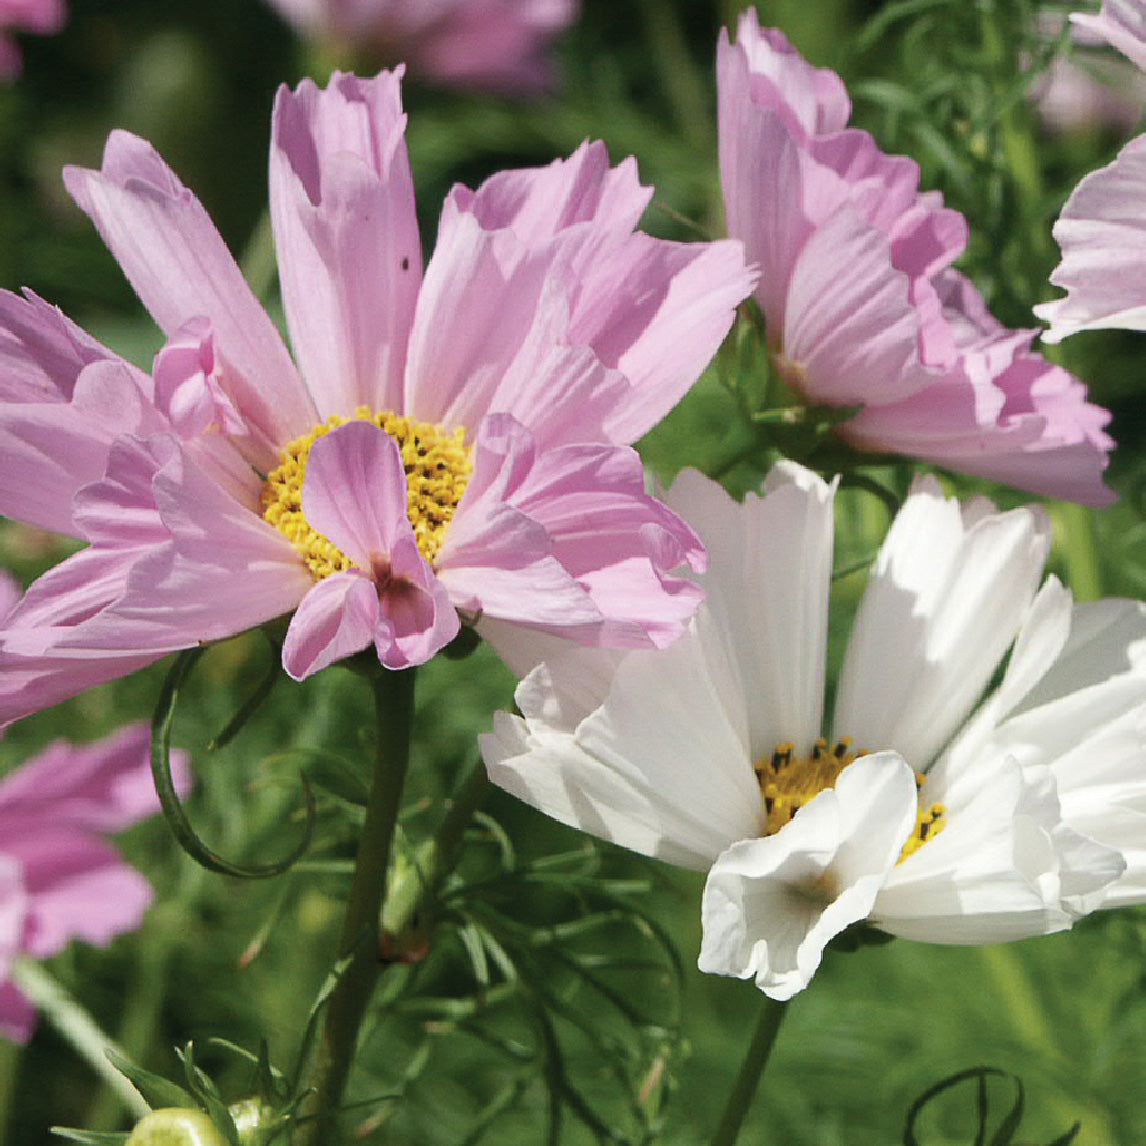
(788, 782)
(437, 465)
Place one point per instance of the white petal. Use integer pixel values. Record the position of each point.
(769, 573)
(659, 767)
(1002, 865)
(771, 905)
(1106, 638)
(944, 601)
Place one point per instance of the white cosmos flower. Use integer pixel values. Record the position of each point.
(934, 810)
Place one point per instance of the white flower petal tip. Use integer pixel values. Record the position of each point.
(771, 905)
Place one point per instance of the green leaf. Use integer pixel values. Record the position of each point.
(92, 1137)
(1009, 1126)
(156, 1090)
(173, 812)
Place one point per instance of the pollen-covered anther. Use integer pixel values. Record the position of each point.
(788, 782)
(930, 820)
(437, 464)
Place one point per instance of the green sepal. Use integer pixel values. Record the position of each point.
(157, 1091)
(207, 1096)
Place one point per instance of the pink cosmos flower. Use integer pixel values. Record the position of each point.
(861, 304)
(42, 17)
(59, 879)
(450, 441)
(490, 44)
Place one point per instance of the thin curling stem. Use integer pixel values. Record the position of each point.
(361, 929)
(743, 1090)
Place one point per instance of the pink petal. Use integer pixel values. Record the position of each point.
(1102, 233)
(17, 1015)
(417, 618)
(78, 887)
(224, 571)
(49, 450)
(851, 330)
(41, 16)
(180, 268)
(1121, 23)
(188, 388)
(539, 203)
(32, 683)
(10, 593)
(336, 619)
(355, 494)
(567, 541)
(42, 352)
(482, 287)
(657, 312)
(765, 67)
(496, 560)
(43, 657)
(620, 544)
(105, 786)
(350, 259)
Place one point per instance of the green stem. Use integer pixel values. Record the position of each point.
(10, 1055)
(78, 1028)
(743, 1090)
(359, 944)
(1079, 551)
(413, 890)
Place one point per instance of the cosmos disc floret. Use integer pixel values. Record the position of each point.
(788, 782)
(437, 466)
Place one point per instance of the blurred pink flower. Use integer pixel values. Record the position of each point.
(492, 44)
(1121, 23)
(450, 442)
(59, 879)
(42, 17)
(1087, 88)
(862, 308)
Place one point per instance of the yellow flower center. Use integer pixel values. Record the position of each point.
(437, 465)
(788, 782)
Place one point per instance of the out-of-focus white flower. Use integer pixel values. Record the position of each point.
(930, 811)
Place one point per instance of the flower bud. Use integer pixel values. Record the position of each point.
(253, 1121)
(173, 1126)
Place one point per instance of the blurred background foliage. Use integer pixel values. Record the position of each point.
(537, 921)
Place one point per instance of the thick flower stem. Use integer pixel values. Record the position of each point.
(359, 944)
(743, 1090)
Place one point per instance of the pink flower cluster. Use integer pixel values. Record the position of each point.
(492, 44)
(454, 439)
(861, 302)
(42, 17)
(59, 879)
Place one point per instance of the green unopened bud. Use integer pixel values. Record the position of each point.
(175, 1127)
(253, 1121)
